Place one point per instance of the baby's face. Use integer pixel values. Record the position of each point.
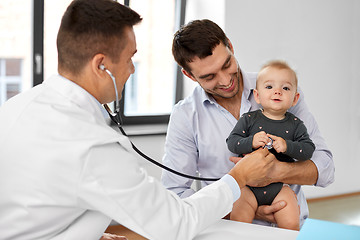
(276, 89)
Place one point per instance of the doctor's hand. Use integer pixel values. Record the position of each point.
(108, 236)
(254, 168)
(266, 212)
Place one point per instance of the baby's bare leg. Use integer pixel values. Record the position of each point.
(289, 216)
(245, 207)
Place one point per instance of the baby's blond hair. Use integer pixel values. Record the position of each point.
(279, 64)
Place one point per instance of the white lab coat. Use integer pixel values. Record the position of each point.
(64, 174)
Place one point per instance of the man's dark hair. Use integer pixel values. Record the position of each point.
(89, 27)
(197, 39)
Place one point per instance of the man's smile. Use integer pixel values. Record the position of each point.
(229, 87)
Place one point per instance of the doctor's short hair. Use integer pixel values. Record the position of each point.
(278, 64)
(89, 27)
(198, 38)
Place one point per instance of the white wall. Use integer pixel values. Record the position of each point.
(320, 39)
(153, 146)
(203, 9)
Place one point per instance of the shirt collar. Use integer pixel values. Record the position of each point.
(77, 94)
(204, 96)
(249, 85)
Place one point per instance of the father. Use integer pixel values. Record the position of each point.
(200, 124)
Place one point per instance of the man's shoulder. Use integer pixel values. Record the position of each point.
(193, 100)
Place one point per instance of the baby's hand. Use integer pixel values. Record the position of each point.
(279, 144)
(260, 139)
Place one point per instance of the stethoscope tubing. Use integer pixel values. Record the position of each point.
(115, 117)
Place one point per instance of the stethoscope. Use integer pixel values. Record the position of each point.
(116, 118)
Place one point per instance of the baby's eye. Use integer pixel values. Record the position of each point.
(286, 88)
(268, 87)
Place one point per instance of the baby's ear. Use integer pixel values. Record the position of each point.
(256, 96)
(296, 99)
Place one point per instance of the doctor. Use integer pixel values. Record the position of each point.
(64, 173)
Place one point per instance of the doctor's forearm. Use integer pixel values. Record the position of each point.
(300, 172)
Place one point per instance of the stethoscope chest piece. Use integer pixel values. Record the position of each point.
(269, 145)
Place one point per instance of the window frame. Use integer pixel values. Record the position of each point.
(38, 42)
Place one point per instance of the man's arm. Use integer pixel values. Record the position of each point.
(300, 172)
(180, 154)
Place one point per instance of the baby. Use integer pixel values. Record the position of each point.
(281, 132)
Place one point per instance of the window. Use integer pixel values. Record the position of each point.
(53, 12)
(10, 78)
(155, 87)
(15, 56)
(151, 91)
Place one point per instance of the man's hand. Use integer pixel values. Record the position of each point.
(253, 169)
(266, 212)
(108, 236)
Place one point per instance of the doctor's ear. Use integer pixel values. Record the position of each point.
(97, 64)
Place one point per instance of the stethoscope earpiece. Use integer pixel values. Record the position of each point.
(102, 67)
(117, 103)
